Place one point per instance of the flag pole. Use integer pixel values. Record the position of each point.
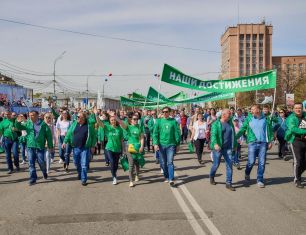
(159, 90)
(274, 96)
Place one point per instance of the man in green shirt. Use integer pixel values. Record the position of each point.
(166, 139)
(38, 133)
(10, 141)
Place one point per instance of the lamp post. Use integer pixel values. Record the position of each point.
(103, 97)
(57, 58)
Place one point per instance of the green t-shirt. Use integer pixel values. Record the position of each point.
(114, 138)
(134, 133)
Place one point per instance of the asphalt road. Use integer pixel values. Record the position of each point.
(60, 205)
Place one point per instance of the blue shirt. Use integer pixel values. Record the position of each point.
(227, 135)
(259, 128)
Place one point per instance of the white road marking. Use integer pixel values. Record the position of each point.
(190, 217)
(209, 224)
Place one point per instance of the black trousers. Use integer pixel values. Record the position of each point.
(147, 140)
(299, 158)
(281, 146)
(199, 145)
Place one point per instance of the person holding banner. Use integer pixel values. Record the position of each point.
(223, 143)
(296, 136)
(166, 140)
(258, 129)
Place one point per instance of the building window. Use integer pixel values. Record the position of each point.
(241, 45)
(248, 36)
(260, 59)
(288, 68)
(261, 36)
(254, 52)
(241, 53)
(248, 45)
(294, 67)
(254, 44)
(241, 59)
(254, 37)
(261, 52)
(241, 37)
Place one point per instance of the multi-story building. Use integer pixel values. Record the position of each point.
(290, 70)
(246, 49)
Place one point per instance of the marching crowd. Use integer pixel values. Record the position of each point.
(126, 136)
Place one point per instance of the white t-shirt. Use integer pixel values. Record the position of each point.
(63, 126)
(200, 130)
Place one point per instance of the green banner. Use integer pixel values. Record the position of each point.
(154, 95)
(179, 96)
(138, 97)
(266, 80)
(129, 102)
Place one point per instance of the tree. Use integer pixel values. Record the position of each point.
(300, 90)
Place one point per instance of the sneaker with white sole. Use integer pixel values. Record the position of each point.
(260, 184)
(114, 181)
(23, 162)
(60, 161)
(131, 184)
(136, 178)
(161, 171)
(166, 181)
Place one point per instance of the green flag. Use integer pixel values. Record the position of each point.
(266, 80)
(154, 94)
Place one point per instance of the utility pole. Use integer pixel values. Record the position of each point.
(58, 58)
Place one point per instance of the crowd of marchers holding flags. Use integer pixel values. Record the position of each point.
(125, 137)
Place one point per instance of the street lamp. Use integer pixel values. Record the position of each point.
(58, 58)
(105, 80)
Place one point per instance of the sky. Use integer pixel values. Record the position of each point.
(190, 24)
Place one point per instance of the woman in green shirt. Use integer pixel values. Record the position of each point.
(136, 138)
(113, 148)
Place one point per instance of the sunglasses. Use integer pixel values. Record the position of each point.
(281, 112)
(165, 111)
(135, 119)
(48, 117)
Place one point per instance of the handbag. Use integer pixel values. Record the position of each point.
(131, 149)
(191, 147)
(124, 162)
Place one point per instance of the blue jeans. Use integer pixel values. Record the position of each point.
(48, 157)
(64, 154)
(227, 155)
(23, 148)
(39, 155)
(257, 149)
(81, 162)
(114, 161)
(237, 155)
(166, 154)
(10, 146)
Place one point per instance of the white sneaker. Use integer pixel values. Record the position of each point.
(52, 160)
(131, 184)
(60, 161)
(161, 171)
(166, 181)
(114, 181)
(136, 178)
(23, 162)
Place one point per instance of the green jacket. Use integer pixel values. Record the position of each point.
(166, 132)
(6, 129)
(249, 132)
(55, 114)
(216, 134)
(293, 129)
(151, 125)
(44, 134)
(91, 138)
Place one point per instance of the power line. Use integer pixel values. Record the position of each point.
(107, 37)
